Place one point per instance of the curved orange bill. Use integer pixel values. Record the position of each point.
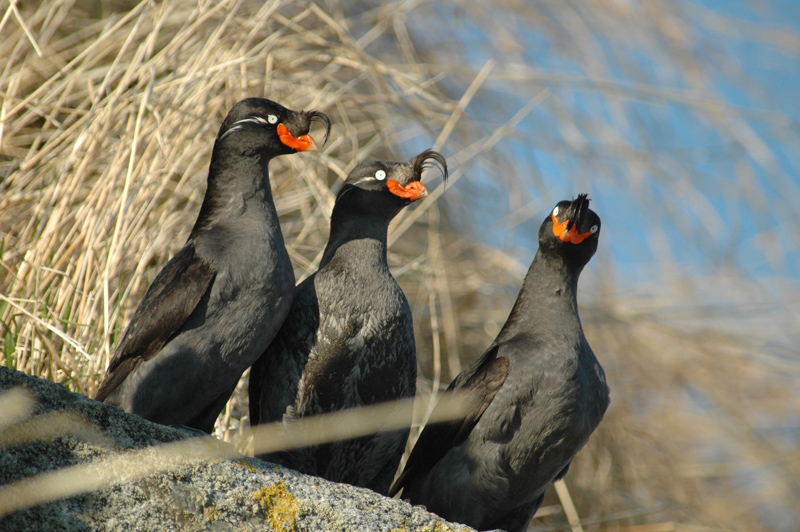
(413, 191)
(301, 143)
(571, 235)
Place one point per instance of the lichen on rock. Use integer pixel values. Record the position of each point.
(281, 509)
(206, 486)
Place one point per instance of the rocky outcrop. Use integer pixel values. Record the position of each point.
(98, 468)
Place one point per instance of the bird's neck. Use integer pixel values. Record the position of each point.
(361, 238)
(234, 182)
(547, 300)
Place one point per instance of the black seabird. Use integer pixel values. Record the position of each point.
(535, 395)
(218, 303)
(348, 340)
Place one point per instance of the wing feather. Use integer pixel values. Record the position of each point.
(478, 384)
(168, 303)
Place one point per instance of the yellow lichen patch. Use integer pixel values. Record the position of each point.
(280, 507)
(245, 464)
(403, 523)
(210, 512)
(437, 526)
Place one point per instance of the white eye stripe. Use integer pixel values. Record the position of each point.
(380, 175)
(231, 130)
(367, 178)
(252, 120)
(343, 193)
(249, 120)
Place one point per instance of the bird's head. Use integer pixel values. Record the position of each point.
(257, 126)
(383, 188)
(571, 230)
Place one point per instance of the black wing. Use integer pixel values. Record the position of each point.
(478, 384)
(169, 301)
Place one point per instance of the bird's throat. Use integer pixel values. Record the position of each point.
(357, 238)
(549, 293)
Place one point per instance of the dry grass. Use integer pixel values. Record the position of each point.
(109, 111)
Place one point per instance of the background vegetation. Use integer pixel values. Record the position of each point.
(679, 119)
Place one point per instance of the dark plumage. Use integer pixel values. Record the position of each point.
(214, 307)
(348, 340)
(535, 395)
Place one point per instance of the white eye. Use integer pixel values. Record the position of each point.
(272, 119)
(555, 211)
(380, 175)
(594, 228)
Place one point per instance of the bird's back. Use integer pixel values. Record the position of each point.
(348, 341)
(189, 380)
(551, 401)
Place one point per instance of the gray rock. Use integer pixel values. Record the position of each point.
(195, 492)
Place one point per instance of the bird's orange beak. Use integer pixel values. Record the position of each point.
(571, 235)
(301, 143)
(413, 191)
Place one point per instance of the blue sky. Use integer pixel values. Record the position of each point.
(689, 147)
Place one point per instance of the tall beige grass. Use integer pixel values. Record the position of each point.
(108, 115)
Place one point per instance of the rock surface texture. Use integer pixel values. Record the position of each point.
(232, 492)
